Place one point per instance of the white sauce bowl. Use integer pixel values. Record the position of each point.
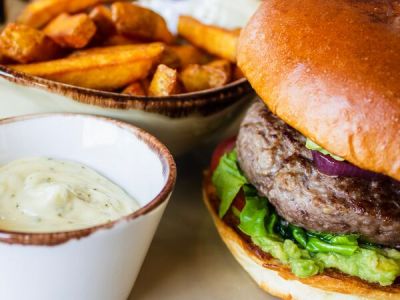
(101, 262)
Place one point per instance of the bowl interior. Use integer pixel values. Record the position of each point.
(124, 154)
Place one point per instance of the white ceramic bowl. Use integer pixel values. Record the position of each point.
(98, 263)
(181, 121)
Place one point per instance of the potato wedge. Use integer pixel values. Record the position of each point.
(119, 39)
(215, 40)
(180, 56)
(170, 58)
(24, 44)
(138, 22)
(165, 82)
(38, 13)
(108, 70)
(71, 31)
(135, 89)
(102, 18)
(189, 54)
(203, 77)
(223, 65)
(105, 50)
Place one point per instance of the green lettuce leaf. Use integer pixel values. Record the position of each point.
(252, 217)
(228, 180)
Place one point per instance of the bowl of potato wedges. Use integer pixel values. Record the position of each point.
(120, 60)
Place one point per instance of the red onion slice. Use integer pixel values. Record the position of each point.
(329, 166)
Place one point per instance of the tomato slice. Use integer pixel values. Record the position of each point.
(224, 147)
(239, 201)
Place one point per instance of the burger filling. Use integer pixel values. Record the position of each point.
(306, 219)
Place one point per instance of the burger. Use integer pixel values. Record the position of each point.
(307, 196)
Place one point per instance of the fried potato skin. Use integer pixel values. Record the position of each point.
(38, 13)
(119, 40)
(108, 70)
(223, 65)
(135, 89)
(203, 77)
(188, 55)
(180, 56)
(71, 31)
(165, 82)
(170, 58)
(102, 18)
(24, 44)
(108, 49)
(138, 22)
(215, 40)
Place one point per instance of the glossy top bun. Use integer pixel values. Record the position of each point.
(331, 70)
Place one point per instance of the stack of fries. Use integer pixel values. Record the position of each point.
(118, 46)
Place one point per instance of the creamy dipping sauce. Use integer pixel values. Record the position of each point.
(48, 195)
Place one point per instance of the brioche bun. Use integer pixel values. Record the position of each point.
(277, 279)
(331, 70)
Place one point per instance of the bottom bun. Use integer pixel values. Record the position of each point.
(277, 279)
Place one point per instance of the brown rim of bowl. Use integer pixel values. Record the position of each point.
(204, 102)
(56, 238)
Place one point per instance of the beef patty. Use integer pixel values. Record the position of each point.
(275, 160)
